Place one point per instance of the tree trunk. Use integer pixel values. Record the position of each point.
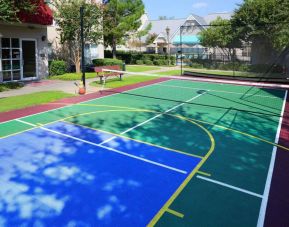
(77, 67)
(77, 61)
(114, 48)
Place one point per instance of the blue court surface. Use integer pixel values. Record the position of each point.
(67, 175)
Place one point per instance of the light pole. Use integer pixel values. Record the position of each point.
(168, 40)
(192, 24)
(82, 46)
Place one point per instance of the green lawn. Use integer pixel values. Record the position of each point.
(127, 80)
(73, 76)
(170, 73)
(140, 68)
(22, 101)
(11, 85)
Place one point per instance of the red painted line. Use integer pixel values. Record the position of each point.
(277, 213)
(14, 114)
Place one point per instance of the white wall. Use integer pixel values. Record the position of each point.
(25, 31)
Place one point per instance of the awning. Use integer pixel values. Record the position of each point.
(187, 39)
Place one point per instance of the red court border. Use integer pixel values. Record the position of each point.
(278, 201)
(14, 114)
(277, 213)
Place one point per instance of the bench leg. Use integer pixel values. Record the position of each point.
(120, 76)
(101, 79)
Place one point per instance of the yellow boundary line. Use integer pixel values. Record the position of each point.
(63, 119)
(242, 133)
(139, 141)
(204, 173)
(184, 184)
(152, 111)
(176, 213)
(193, 121)
(199, 121)
(123, 110)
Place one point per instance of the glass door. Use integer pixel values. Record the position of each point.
(29, 59)
(10, 57)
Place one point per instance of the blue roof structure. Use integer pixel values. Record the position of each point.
(186, 39)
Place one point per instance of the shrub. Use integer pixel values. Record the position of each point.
(148, 62)
(157, 62)
(139, 62)
(263, 68)
(133, 57)
(196, 65)
(107, 61)
(160, 62)
(10, 85)
(57, 68)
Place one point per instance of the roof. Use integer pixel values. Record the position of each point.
(199, 19)
(159, 26)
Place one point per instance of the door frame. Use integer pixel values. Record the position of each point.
(36, 59)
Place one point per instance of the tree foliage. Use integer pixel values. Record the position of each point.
(263, 19)
(10, 8)
(67, 17)
(121, 18)
(220, 35)
(151, 38)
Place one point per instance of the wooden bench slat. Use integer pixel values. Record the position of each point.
(99, 69)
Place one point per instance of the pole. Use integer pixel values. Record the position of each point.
(82, 45)
(181, 42)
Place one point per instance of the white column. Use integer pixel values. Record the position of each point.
(156, 48)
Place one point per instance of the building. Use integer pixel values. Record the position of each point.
(174, 35)
(23, 46)
(169, 31)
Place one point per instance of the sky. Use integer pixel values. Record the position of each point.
(182, 8)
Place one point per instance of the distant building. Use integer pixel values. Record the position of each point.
(192, 25)
(23, 46)
(170, 34)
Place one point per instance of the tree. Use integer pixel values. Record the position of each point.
(151, 38)
(9, 9)
(67, 17)
(166, 18)
(121, 19)
(220, 35)
(265, 24)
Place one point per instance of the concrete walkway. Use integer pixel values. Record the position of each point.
(163, 69)
(48, 85)
(65, 86)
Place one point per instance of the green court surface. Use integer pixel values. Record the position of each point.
(232, 129)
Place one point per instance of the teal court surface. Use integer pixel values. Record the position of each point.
(173, 153)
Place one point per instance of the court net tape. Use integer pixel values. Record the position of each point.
(236, 104)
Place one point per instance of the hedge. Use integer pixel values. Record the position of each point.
(107, 61)
(57, 68)
(136, 58)
(236, 66)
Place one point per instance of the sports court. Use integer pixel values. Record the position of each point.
(172, 153)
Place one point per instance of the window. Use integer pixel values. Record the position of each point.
(10, 59)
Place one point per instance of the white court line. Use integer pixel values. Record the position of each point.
(79, 103)
(159, 115)
(264, 203)
(220, 91)
(107, 148)
(229, 186)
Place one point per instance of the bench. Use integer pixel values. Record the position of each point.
(103, 75)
